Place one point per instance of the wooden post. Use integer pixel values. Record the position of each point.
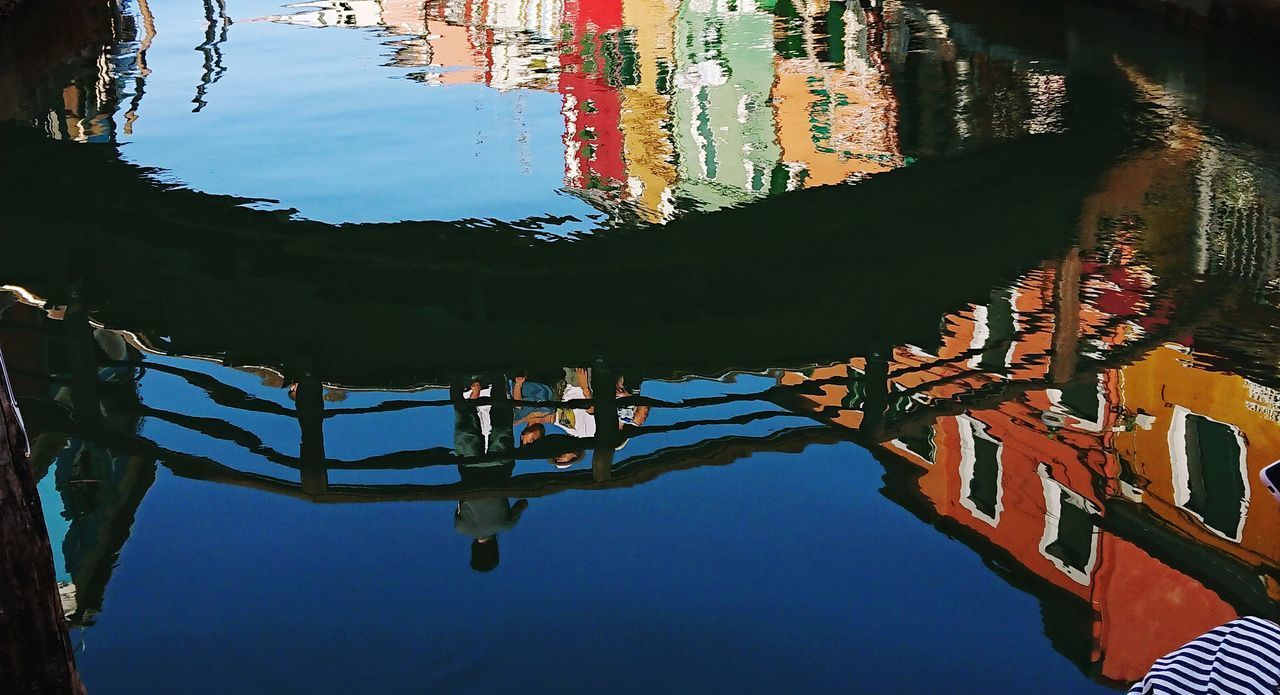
(35, 650)
(310, 407)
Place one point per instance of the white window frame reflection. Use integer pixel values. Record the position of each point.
(971, 428)
(1095, 425)
(1054, 492)
(1181, 471)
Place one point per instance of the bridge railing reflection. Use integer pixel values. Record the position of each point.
(971, 434)
(81, 397)
(882, 402)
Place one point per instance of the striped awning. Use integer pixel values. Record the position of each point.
(1242, 656)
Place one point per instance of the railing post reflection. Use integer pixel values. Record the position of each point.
(1066, 320)
(81, 358)
(310, 409)
(876, 383)
(605, 398)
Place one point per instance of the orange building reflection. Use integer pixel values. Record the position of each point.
(1131, 489)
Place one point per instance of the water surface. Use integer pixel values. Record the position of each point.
(901, 347)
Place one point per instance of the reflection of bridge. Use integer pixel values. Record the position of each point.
(887, 411)
(706, 290)
(733, 287)
(892, 418)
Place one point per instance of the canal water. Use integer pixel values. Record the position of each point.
(471, 345)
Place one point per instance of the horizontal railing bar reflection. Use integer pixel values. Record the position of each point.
(874, 429)
(421, 458)
(442, 456)
(233, 397)
(633, 471)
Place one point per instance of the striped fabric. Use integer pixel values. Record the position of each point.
(1242, 656)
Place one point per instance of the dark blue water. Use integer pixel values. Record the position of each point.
(773, 573)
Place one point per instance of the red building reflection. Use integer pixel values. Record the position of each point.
(591, 68)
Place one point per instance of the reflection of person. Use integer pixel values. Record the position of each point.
(535, 432)
(483, 519)
(484, 434)
(580, 422)
(630, 415)
(576, 421)
(525, 389)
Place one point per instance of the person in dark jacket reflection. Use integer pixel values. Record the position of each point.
(483, 435)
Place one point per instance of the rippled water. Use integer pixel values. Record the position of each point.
(387, 346)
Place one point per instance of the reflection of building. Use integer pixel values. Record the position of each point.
(338, 13)
(837, 115)
(444, 49)
(1036, 479)
(665, 104)
(1198, 464)
(74, 87)
(969, 90)
(514, 40)
(673, 104)
(1233, 203)
(723, 125)
(597, 57)
(646, 107)
(1126, 498)
(1238, 230)
(690, 104)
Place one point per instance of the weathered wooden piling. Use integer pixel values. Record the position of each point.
(35, 649)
